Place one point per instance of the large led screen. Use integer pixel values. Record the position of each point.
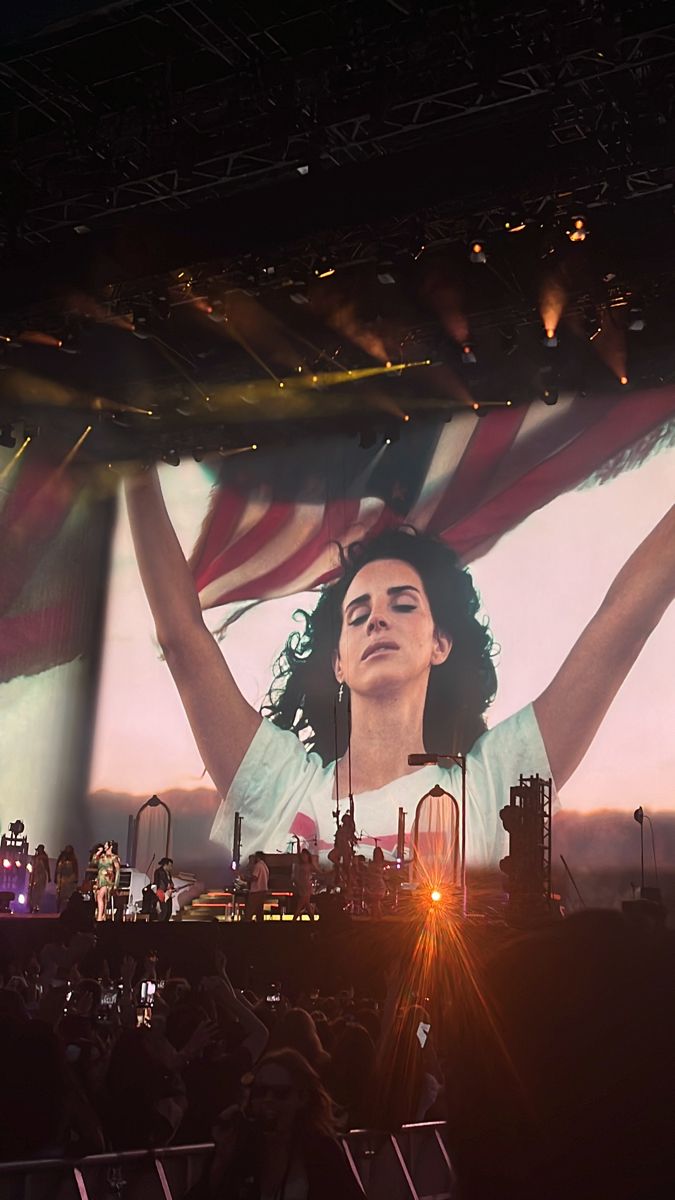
(500, 591)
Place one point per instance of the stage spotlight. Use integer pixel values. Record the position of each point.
(468, 355)
(322, 269)
(636, 319)
(515, 223)
(172, 457)
(477, 252)
(6, 864)
(550, 338)
(577, 230)
(216, 313)
(591, 322)
(436, 896)
(21, 898)
(550, 395)
(623, 380)
(385, 273)
(6, 437)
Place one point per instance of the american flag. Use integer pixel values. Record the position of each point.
(54, 538)
(275, 517)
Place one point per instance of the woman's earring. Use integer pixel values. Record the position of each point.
(341, 690)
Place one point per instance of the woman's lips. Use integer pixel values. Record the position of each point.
(377, 648)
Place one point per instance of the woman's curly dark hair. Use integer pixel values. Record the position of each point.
(303, 695)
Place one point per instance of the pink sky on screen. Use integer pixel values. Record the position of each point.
(540, 585)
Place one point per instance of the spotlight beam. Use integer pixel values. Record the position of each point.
(14, 459)
(74, 450)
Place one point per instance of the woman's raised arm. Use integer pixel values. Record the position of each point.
(572, 707)
(223, 723)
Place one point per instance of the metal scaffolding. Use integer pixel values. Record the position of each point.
(156, 105)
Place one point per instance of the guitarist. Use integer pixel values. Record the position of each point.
(163, 888)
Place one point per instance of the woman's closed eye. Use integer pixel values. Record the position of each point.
(359, 617)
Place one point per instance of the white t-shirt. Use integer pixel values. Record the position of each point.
(282, 789)
(260, 877)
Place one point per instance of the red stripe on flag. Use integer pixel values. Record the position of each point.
(31, 642)
(218, 528)
(623, 424)
(30, 520)
(388, 519)
(263, 532)
(297, 563)
(489, 443)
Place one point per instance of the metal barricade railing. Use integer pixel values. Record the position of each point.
(411, 1164)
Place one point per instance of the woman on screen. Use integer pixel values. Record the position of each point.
(397, 643)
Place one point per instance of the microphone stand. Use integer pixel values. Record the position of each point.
(639, 816)
(650, 902)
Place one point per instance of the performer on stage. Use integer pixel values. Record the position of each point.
(342, 854)
(303, 872)
(107, 865)
(40, 877)
(164, 889)
(376, 888)
(66, 876)
(400, 633)
(259, 882)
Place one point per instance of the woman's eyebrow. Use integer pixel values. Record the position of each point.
(359, 600)
(404, 587)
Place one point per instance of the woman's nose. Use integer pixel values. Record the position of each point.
(376, 621)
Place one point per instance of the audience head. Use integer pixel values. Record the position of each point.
(296, 1030)
(287, 1096)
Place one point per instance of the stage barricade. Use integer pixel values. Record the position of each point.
(412, 1164)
